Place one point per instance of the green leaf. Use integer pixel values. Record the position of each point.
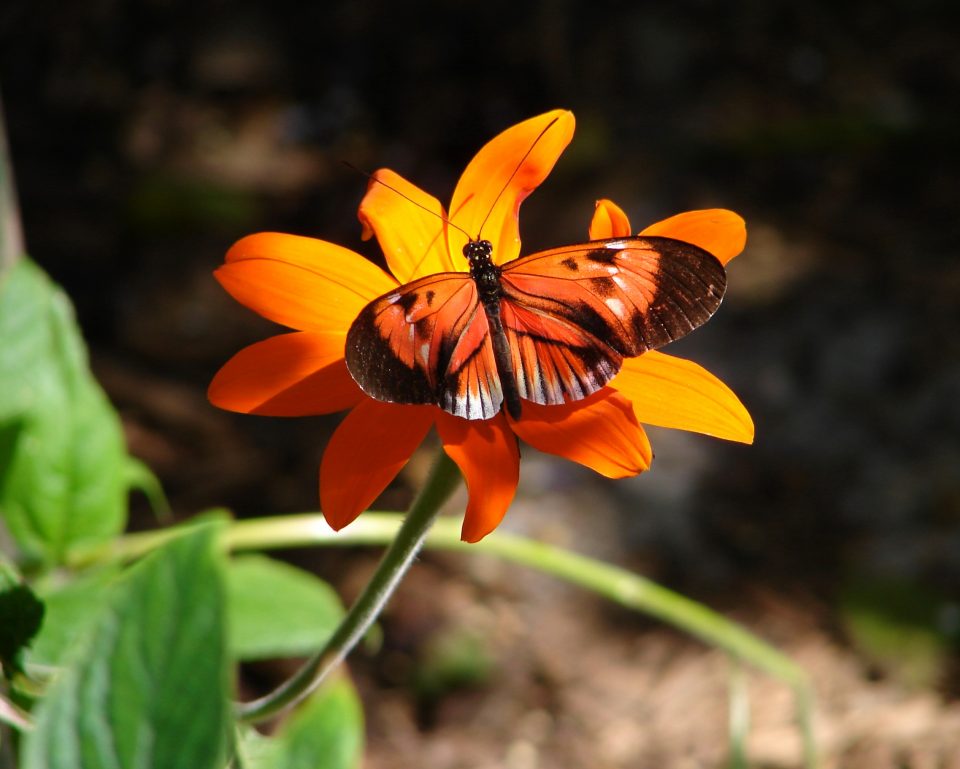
(255, 751)
(148, 687)
(325, 732)
(277, 610)
(21, 614)
(70, 611)
(62, 471)
(139, 477)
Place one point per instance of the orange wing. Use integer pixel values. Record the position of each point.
(569, 315)
(572, 314)
(427, 342)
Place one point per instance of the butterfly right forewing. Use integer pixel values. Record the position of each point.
(573, 313)
(633, 294)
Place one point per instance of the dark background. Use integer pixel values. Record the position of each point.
(147, 136)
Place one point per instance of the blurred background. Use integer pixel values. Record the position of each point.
(148, 136)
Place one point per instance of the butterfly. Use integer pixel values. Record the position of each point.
(551, 328)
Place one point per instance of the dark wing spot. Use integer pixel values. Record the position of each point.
(408, 300)
(424, 326)
(586, 317)
(430, 294)
(603, 256)
(375, 367)
(603, 286)
(571, 264)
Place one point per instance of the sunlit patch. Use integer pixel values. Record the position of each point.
(615, 304)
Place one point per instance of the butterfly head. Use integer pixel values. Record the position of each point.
(478, 252)
(482, 269)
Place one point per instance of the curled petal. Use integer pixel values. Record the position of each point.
(487, 454)
(411, 237)
(723, 233)
(289, 375)
(365, 453)
(609, 221)
(302, 283)
(673, 392)
(500, 167)
(600, 432)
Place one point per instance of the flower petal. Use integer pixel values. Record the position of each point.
(609, 221)
(723, 233)
(673, 392)
(600, 432)
(289, 375)
(412, 238)
(487, 454)
(302, 283)
(365, 453)
(500, 169)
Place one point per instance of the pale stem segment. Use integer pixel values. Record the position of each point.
(619, 585)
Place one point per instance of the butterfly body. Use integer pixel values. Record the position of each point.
(551, 328)
(486, 276)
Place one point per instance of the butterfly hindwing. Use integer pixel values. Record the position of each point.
(554, 360)
(427, 342)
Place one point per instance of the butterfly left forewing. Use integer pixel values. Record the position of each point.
(633, 294)
(427, 342)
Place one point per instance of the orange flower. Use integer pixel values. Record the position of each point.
(319, 289)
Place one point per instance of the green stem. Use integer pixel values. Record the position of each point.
(619, 585)
(443, 479)
(623, 587)
(739, 716)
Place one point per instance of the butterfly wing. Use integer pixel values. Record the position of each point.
(572, 314)
(427, 342)
(554, 360)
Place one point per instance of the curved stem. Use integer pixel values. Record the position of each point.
(630, 590)
(443, 479)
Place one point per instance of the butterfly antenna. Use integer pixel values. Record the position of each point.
(373, 178)
(506, 184)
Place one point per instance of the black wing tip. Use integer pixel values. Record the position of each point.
(376, 368)
(690, 285)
